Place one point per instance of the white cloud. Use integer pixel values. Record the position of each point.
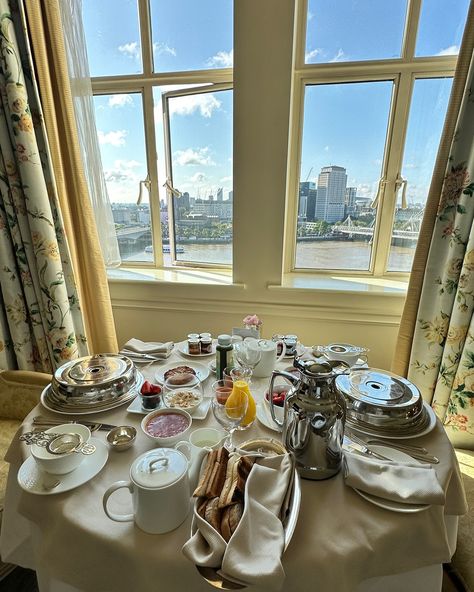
(222, 59)
(410, 165)
(160, 48)
(189, 156)
(198, 178)
(115, 138)
(451, 50)
(326, 148)
(120, 100)
(310, 15)
(132, 49)
(205, 104)
(339, 55)
(123, 172)
(365, 190)
(309, 55)
(226, 179)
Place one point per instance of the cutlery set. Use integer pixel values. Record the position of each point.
(41, 422)
(417, 452)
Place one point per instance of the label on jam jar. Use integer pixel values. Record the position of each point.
(290, 344)
(206, 345)
(194, 347)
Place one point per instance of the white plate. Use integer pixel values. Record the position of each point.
(125, 399)
(200, 413)
(265, 419)
(202, 372)
(183, 350)
(32, 479)
(300, 350)
(397, 456)
(427, 430)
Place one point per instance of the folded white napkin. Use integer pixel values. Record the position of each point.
(253, 554)
(406, 483)
(157, 349)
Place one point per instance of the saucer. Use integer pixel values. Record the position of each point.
(32, 479)
(265, 419)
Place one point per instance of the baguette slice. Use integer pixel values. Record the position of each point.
(200, 490)
(228, 489)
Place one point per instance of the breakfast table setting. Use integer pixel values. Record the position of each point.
(249, 463)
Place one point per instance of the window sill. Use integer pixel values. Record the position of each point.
(342, 284)
(173, 276)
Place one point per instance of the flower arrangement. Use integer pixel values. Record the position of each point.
(252, 322)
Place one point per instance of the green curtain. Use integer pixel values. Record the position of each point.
(41, 324)
(442, 355)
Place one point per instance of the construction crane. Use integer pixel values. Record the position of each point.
(310, 171)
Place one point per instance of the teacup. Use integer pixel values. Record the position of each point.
(346, 352)
(60, 464)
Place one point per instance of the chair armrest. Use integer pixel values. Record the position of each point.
(20, 391)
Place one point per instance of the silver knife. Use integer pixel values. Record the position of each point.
(351, 446)
(98, 425)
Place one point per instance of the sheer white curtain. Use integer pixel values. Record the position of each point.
(78, 65)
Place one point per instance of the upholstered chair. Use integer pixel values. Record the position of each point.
(19, 392)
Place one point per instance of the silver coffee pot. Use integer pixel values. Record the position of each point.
(314, 417)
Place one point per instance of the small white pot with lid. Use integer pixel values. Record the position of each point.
(159, 485)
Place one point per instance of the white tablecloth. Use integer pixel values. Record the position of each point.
(342, 543)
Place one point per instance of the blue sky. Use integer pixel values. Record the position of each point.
(345, 125)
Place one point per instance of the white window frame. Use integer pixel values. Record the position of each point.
(198, 90)
(144, 84)
(403, 72)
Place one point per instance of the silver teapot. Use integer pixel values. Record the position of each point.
(314, 417)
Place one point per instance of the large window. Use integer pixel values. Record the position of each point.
(371, 87)
(162, 81)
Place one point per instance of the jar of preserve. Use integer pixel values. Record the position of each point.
(206, 343)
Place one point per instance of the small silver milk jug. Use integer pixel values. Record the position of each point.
(314, 419)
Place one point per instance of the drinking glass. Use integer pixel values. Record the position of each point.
(228, 413)
(248, 353)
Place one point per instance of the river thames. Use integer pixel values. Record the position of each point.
(354, 255)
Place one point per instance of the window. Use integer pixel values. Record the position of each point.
(162, 83)
(372, 82)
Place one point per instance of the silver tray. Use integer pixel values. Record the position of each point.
(211, 575)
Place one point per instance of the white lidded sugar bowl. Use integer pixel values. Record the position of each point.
(160, 490)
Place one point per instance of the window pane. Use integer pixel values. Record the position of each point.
(190, 35)
(441, 27)
(122, 145)
(352, 30)
(425, 125)
(345, 127)
(201, 163)
(112, 37)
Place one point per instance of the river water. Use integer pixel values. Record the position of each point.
(354, 255)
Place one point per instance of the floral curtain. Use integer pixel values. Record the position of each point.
(41, 324)
(442, 355)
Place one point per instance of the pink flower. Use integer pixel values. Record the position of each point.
(252, 320)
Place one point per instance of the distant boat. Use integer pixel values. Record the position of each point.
(166, 249)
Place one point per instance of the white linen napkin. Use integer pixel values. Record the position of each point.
(406, 483)
(253, 554)
(154, 348)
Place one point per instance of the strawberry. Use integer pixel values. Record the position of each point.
(145, 390)
(155, 389)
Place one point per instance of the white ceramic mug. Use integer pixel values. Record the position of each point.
(269, 358)
(160, 491)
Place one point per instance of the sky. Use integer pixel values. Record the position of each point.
(344, 124)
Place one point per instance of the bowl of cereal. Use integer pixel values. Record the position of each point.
(166, 426)
(187, 399)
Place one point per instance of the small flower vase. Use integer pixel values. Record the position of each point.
(253, 331)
